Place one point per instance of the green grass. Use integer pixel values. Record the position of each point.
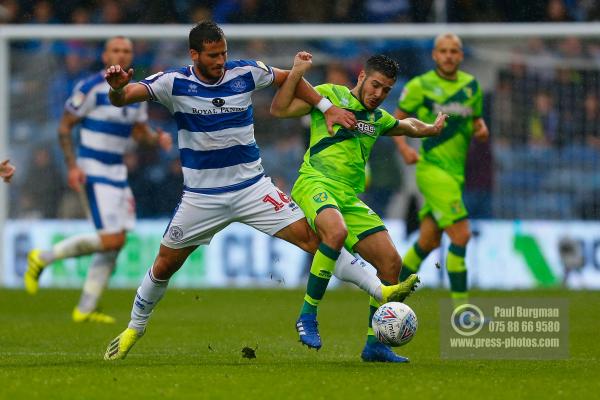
(44, 355)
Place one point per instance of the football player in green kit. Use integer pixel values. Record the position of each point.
(440, 170)
(332, 175)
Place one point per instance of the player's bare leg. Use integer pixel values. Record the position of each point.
(152, 289)
(74, 246)
(347, 268)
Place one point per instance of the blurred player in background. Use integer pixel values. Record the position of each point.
(440, 170)
(224, 181)
(7, 170)
(99, 175)
(333, 174)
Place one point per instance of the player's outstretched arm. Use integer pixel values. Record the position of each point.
(7, 170)
(409, 155)
(121, 91)
(285, 104)
(415, 128)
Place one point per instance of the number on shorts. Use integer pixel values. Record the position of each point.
(277, 205)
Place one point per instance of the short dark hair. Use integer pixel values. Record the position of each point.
(382, 64)
(204, 32)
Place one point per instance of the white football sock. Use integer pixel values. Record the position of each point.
(74, 246)
(148, 295)
(351, 269)
(98, 275)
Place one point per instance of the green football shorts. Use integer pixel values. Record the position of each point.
(313, 196)
(443, 195)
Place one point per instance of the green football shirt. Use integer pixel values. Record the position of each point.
(428, 94)
(343, 156)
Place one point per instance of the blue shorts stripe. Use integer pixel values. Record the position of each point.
(111, 128)
(238, 85)
(212, 159)
(102, 156)
(173, 216)
(214, 122)
(93, 204)
(225, 189)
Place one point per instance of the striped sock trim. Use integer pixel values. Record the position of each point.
(310, 300)
(457, 250)
(329, 252)
(420, 252)
(154, 279)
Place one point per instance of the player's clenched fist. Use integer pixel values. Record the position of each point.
(117, 77)
(302, 61)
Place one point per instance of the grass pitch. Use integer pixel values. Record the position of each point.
(193, 349)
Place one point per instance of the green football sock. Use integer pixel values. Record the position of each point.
(457, 273)
(320, 272)
(373, 306)
(412, 261)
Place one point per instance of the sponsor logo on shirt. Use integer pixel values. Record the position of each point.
(366, 128)
(221, 110)
(218, 102)
(453, 109)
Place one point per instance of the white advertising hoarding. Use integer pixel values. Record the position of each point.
(501, 255)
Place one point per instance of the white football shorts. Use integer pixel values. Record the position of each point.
(198, 217)
(111, 206)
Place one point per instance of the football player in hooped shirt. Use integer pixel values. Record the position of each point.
(332, 175)
(224, 181)
(99, 174)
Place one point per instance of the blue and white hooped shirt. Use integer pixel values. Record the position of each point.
(215, 124)
(105, 130)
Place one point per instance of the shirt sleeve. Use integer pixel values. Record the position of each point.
(387, 122)
(262, 74)
(411, 97)
(160, 86)
(82, 101)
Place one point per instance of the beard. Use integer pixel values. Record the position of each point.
(207, 73)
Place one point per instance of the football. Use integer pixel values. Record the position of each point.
(394, 324)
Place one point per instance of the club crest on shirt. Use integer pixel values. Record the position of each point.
(320, 197)
(238, 85)
(456, 207)
(175, 233)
